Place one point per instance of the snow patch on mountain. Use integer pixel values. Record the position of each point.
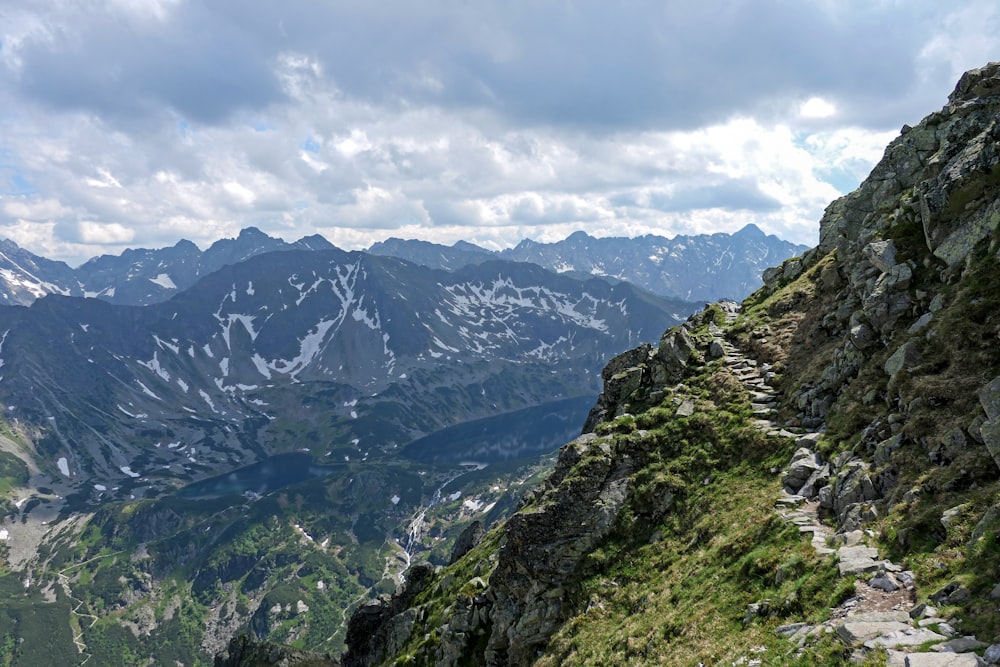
(164, 281)
(154, 365)
(146, 390)
(309, 348)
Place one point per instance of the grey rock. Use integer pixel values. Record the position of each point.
(952, 514)
(467, 540)
(816, 481)
(882, 254)
(989, 398)
(885, 583)
(942, 660)
(805, 463)
(992, 654)
(674, 352)
(906, 636)
(862, 336)
(881, 616)
(854, 632)
(960, 645)
(906, 356)
(920, 323)
(852, 486)
(947, 629)
(937, 303)
(790, 629)
(825, 497)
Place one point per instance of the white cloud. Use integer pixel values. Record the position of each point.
(817, 107)
(105, 233)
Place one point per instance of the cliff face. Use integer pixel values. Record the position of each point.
(874, 358)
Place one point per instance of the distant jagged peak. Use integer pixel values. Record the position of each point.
(465, 246)
(314, 242)
(750, 230)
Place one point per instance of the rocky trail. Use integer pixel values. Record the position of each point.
(882, 613)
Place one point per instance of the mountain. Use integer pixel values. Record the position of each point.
(704, 267)
(25, 277)
(136, 277)
(432, 254)
(809, 477)
(381, 352)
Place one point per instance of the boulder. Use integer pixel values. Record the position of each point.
(675, 350)
(906, 356)
(805, 463)
(882, 254)
(852, 485)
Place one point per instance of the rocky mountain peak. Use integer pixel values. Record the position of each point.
(935, 174)
(983, 82)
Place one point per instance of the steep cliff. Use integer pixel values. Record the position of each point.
(855, 398)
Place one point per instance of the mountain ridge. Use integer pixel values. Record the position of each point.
(142, 276)
(691, 267)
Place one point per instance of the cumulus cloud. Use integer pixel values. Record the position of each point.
(138, 122)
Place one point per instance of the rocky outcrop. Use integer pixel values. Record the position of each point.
(245, 651)
(379, 628)
(545, 543)
(467, 540)
(936, 173)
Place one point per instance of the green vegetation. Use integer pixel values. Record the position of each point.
(13, 473)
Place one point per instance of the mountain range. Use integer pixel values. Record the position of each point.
(692, 268)
(704, 267)
(136, 277)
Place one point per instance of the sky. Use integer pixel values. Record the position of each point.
(136, 123)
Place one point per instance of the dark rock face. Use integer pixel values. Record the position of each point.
(243, 651)
(934, 190)
(378, 629)
(544, 545)
(467, 540)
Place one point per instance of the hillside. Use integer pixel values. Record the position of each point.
(808, 478)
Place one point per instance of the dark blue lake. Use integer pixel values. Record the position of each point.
(272, 473)
(513, 435)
